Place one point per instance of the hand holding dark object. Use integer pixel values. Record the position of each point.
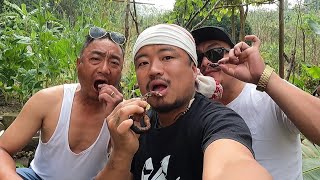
(247, 61)
(143, 119)
(110, 96)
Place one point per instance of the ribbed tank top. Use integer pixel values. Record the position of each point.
(54, 160)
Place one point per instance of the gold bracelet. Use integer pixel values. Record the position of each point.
(264, 79)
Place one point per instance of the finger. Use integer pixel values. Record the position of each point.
(255, 40)
(241, 46)
(233, 59)
(115, 112)
(224, 60)
(107, 98)
(227, 70)
(124, 126)
(122, 114)
(126, 111)
(228, 60)
(109, 89)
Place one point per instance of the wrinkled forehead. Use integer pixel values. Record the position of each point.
(103, 46)
(89, 41)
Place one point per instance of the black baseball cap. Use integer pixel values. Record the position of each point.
(208, 33)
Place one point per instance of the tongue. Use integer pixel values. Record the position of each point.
(159, 88)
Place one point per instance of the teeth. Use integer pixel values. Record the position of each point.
(97, 83)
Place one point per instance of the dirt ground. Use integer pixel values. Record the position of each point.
(10, 108)
(24, 157)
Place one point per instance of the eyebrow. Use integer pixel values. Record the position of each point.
(103, 54)
(214, 45)
(98, 52)
(171, 49)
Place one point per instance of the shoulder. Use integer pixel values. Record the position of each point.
(47, 97)
(50, 93)
(221, 122)
(203, 106)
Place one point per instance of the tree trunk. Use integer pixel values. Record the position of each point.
(233, 24)
(281, 38)
(304, 45)
(242, 23)
(126, 21)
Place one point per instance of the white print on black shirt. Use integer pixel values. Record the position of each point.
(161, 174)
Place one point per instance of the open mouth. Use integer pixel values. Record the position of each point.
(158, 87)
(98, 82)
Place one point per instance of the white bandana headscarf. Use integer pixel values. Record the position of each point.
(175, 35)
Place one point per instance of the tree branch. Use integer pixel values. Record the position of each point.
(195, 14)
(227, 6)
(205, 18)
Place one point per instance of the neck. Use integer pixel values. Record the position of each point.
(169, 118)
(88, 104)
(231, 91)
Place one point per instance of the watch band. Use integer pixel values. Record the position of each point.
(264, 79)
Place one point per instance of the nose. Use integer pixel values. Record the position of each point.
(204, 63)
(156, 68)
(104, 67)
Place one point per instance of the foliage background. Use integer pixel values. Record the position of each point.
(40, 41)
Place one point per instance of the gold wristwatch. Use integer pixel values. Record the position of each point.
(264, 79)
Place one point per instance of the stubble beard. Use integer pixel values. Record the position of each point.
(166, 108)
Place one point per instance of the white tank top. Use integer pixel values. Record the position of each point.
(54, 160)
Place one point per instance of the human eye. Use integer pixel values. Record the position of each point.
(115, 62)
(167, 58)
(94, 60)
(141, 63)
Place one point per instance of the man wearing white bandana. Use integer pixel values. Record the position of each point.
(191, 137)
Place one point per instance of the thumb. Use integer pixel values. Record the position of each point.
(124, 126)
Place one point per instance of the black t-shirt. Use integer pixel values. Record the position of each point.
(176, 152)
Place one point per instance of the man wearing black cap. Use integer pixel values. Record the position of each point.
(274, 110)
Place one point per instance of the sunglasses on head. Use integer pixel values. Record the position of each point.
(97, 33)
(213, 55)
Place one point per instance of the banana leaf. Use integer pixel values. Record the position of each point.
(311, 160)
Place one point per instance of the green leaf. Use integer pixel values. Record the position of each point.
(314, 26)
(314, 72)
(24, 9)
(311, 160)
(19, 165)
(22, 39)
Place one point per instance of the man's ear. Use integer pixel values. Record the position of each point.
(79, 61)
(195, 71)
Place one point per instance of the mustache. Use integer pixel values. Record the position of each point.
(209, 66)
(157, 78)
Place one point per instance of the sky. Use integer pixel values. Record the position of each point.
(163, 4)
(168, 4)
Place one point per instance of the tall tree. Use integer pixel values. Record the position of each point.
(281, 38)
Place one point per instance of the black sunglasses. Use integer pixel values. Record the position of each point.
(213, 55)
(97, 33)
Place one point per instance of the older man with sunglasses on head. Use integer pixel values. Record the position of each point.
(74, 136)
(274, 110)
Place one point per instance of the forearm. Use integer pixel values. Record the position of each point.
(118, 167)
(7, 166)
(235, 170)
(302, 108)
